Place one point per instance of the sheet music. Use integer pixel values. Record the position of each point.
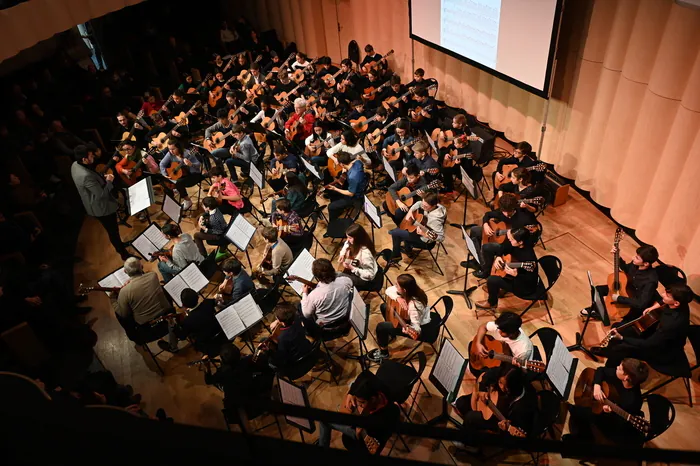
(468, 183)
(174, 288)
(311, 168)
(156, 236)
(256, 176)
(144, 247)
(448, 367)
(172, 209)
(389, 169)
(372, 212)
(358, 313)
(240, 232)
(293, 395)
(301, 267)
(431, 142)
(470, 245)
(116, 279)
(248, 310)
(559, 366)
(194, 278)
(121, 275)
(230, 322)
(139, 196)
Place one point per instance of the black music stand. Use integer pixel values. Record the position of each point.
(466, 292)
(597, 303)
(469, 188)
(296, 395)
(373, 214)
(449, 368)
(561, 369)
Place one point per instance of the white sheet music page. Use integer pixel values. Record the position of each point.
(449, 367)
(121, 276)
(230, 322)
(248, 310)
(172, 209)
(116, 279)
(389, 169)
(256, 176)
(470, 245)
(311, 168)
(240, 232)
(139, 196)
(468, 183)
(559, 366)
(144, 246)
(293, 395)
(301, 267)
(358, 312)
(174, 287)
(371, 210)
(156, 236)
(194, 278)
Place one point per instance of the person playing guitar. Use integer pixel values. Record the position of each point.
(430, 230)
(423, 111)
(401, 138)
(457, 154)
(367, 397)
(300, 125)
(413, 182)
(287, 222)
(406, 314)
(517, 275)
(357, 258)
(181, 167)
(277, 256)
(521, 158)
(281, 163)
(423, 161)
(226, 192)
(317, 144)
(521, 185)
(353, 189)
(506, 329)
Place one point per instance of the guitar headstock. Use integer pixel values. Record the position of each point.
(390, 52)
(257, 59)
(84, 290)
(535, 366)
(516, 432)
(140, 115)
(529, 266)
(639, 423)
(435, 183)
(540, 167)
(619, 234)
(538, 201)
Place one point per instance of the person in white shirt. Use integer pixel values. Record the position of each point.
(350, 143)
(505, 328)
(410, 297)
(228, 37)
(301, 62)
(327, 305)
(357, 258)
(433, 229)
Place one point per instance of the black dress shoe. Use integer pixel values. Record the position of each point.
(481, 274)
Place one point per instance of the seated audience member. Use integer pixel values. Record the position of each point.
(357, 258)
(200, 323)
(143, 299)
(325, 307)
(506, 328)
(237, 283)
(212, 225)
(182, 254)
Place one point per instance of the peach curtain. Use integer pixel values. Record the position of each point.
(31, 22)
(624, 121)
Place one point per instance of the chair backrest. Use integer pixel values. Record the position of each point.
(549, 407)
(422, 363)
(694, 337)
(302, 365)
(548, 336)
(208, 266)
(662, 413)
(267, 298)
(448, 304)
(551, 265)
(314, 221)
(669, 274)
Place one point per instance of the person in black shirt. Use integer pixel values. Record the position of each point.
(421, 159)
(124, 126)
(326, 68)
(521, 280)
(200, 324)
(623, 382)
(513, 217)
(370, 88)
(290, 336)
(521, 184)
(396, 90)
(517, 401)
(367, 397)
(424, 119)
(663, 348)
(359, 110)
(373, 56)
(642, 282)
(459, 152)
(347, 82)
(419, 80)
(522, 158)
(413, 180)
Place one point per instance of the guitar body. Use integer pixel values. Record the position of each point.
(314, 149)
(369, 93)
(297, 76)
(268, 123)
(394, 307)
(477, 362)
(181, 119)
(393, 152)
(102, 169)
(411, 225)
(334, 168)
(360, 125)
(495, 226)
(390, 102)
(417, 114)
(176, 170)
(135, 175)
(217, 142)
(506, 175)
(583, 393)
(391, 203)
(501, 272)
(484, 408)
(215, 95)
(616, 311)
(279, 171)
(234, 115)
(329, 79)
(159, 142)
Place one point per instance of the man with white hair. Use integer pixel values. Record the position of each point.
(143, 299)
(301, 124)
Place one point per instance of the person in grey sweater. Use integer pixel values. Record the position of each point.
(184, 252)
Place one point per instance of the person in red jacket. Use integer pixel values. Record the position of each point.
(303, 127)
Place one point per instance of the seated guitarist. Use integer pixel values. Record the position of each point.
(421, 159)
(428, 111)
(521, 281)
(506, 328)
(508, 212)
(435, 216)
(242, 154)
(402, 136)
(287, 222)
(457, 148)
(134, 154)
(301, 120)
(522, 157)
(227, 193)
(281, 163)
(517, 401)
(191, 172)
(318, 143)
(521, 184)
(413, 180)
(411, 297)
(354, 189)
(223, 125)
(161, 125)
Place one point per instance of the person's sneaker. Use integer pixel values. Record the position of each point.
(484, 305)
(186, 204)
(165, 346)
(222, 255)
(481, 274)
(378, 355)
(585, 311)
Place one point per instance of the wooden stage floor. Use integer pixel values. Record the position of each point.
(576, 232)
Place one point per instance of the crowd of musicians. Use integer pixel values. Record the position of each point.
(314, 130)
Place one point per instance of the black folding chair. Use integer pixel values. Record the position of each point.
(379, 280)
(662, 413)
(428, 247)
(436, 328)
(552, 269)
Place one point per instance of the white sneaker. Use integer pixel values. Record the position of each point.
(187, 204)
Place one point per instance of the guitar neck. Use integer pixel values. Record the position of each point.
(496, 412)
(616, 270)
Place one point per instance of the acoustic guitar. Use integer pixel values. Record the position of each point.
(406, 195)
(134, 166)
(370, 93)
(393, 151)
(583, 396)
(299, 74)
(639, 325)
(84, 290)
(419, 220)
(375, 136)
(490, 408)
(182, 118)
(371, 443)
(392, 102)
(397, 315)
(178, 169)
(234, 113)
(296, 278)
(342, 85)
(361, 124)
(245, 75)
(417, 113)
(294, 127)
(537, 201)
(540, 167)
(276, 69)
(375, 63)
(617, 281)
(283, 97)
(456, 156)
(500, 229)
(195, 90)
(160, 141)
(330, 79)
(529, 266)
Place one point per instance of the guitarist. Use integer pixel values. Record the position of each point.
(352, 192)
(517, 280)
(517, 401)
(321, 137)
(180, 105)
(281, 163)
(326, 308)
(521, 184)
(428, 116)
(302, 120)
(177, 154)
(514, 217)
(161, 125)
(522, 157)
(134, 154)
(411, 298)
(124, 125)
(458, 147)
(507, 328)
(422, 160)
(223, 125)
(642, 282)
(396, 90)
(372, 56)
(435, 216)
(624, 382)
(367, 397)
(414, 181)
(242, 154)
(182, 254)
(419, 80)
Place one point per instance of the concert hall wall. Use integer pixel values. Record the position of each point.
(624, 120)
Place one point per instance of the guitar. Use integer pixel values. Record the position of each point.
(218, 92)
(407, 196)
(391, 102)
(370, 93)
(361, 124)
(371, 443)
(455, 156)
(134, 167)
(279, 171)
(233, 114)
(376, 135)
(296, 278)
(322, 113)
(499, 231)
(617, 281)
(419, 220)
(334, 168)
(129, 135)
(330, 79)
(529, 266)
(342, 85)
(375, 63)
(489, 408)
(84, 290)
(182, 117)
(275, 69)
(639, 325)
(314, 148)
(232, 59)
(479, 362)
(160, 141)
(445, 138)
(532, 366)
(164, 107)
(299, 74)
(583, 396)
(540, 167)
(178, 169)
(245, 75)
(393, 151)
(294, 127)
(283, 97)
(417, 113)
(194, 90)
(397, 314)
(537, 201)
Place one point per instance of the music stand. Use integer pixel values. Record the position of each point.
(373, 215)
(259, 181)
(448, 370)
(561, 369)
(150, 241)
(600, 307)
(140, 197)
(471, 252)
(296, 395)
(172, 209)
(238, 318)
(470, 188)
(240, 232)
(359, 319)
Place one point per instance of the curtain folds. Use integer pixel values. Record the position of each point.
(28, 23)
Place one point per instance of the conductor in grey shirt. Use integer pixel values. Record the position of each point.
(96, 193)
(327, 306)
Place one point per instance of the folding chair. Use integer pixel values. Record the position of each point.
(552, 269)
(428, 247)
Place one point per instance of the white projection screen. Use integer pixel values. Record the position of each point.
(511, 39)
